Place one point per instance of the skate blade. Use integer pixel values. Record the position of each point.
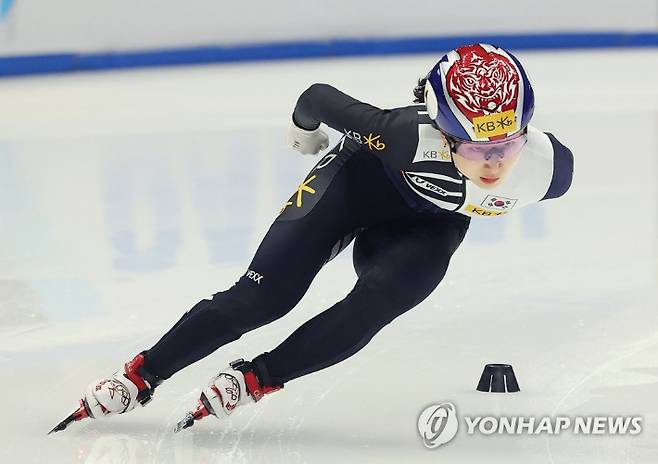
(202, 410)
(186, 422)
(62, 425)
(81, 413)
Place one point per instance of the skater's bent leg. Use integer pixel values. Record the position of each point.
(398, 267)
(293, 251)
(272, 286)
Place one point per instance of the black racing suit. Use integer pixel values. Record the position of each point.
(401, 252)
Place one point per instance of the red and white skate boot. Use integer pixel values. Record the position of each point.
(235, 386)
(121, 392)
(117, 394)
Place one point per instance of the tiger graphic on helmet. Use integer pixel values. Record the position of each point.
(479, 93)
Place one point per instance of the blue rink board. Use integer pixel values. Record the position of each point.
(71, 62)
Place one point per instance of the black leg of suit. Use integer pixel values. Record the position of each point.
(400, 256)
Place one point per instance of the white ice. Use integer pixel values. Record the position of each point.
(125, 197)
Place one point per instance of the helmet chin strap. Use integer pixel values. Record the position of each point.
(430, 101)
(451, 142)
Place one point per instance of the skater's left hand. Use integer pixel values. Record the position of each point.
(307, 142)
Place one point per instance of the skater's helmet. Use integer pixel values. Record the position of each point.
(479, 93)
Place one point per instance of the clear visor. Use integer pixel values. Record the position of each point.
(484, 151)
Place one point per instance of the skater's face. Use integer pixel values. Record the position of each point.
(485, 174)
(487, 165)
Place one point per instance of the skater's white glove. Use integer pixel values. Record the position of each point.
(307, 142)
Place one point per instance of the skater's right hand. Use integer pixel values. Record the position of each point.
(307, 142)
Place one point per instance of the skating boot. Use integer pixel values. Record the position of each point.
(117, 394)
(235, 386)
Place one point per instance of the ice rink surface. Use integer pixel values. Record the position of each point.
(126, 197)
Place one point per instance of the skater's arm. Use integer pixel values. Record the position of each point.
(381, 131)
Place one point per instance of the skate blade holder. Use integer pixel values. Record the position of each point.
(498, 378)
(203, 410)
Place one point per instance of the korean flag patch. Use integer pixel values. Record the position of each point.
(498, 203)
